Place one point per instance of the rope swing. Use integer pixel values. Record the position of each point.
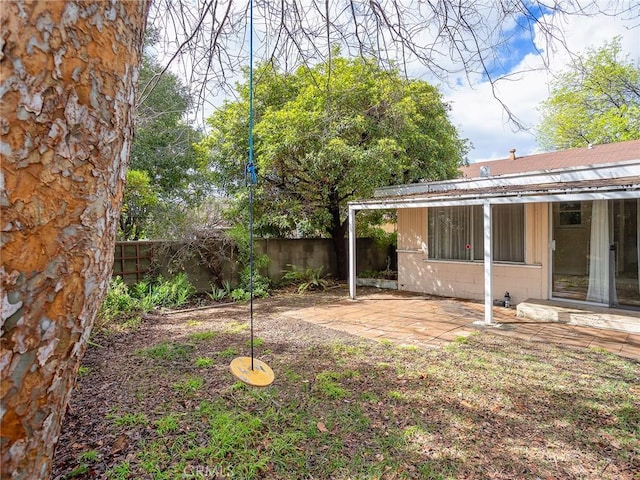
(250, 370)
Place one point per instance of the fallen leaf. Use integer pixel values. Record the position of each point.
(520, 406)
(322, 427)
(465, 404)
(119, 445)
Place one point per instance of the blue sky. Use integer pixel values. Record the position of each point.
(516, 44)
(481, 118)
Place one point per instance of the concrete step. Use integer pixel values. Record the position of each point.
(584, 315)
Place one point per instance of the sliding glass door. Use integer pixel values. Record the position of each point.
(570, 245)
(626, 239)
(595, 251)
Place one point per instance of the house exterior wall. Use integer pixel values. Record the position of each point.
(416, 273)
(412, 229)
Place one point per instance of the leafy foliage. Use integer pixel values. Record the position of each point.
(596, 101)
(218, 294)
(118, 305)
(260, 287)
(306, 279)
(139, 200)
(163, 292)
(327, 135)
(167, 178)
(123, 305)
(163, 141)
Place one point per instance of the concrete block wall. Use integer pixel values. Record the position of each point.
(303, 253)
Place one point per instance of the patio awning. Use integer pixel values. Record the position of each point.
(610, 181)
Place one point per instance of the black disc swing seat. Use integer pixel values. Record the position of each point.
(250, 370)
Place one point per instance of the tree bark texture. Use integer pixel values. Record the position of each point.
(68, 72)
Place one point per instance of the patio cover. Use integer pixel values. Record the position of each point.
(606, 181)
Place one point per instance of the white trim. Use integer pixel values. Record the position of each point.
(488, 264)
(352, 252)
(479, 199)
(614, 170)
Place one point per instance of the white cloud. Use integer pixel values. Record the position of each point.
(481, 118)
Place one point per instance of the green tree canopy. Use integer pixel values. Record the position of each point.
(162, 150)
(597, 100)
(163, 142)
(139, 201)
(327, 135)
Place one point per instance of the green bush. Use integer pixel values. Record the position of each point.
(170, 293)
(307, 279)
(122, 304)
(261, 284)
(216, 294)
(118, 302)
(239, 295)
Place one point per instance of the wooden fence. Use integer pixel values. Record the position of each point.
(132, 261)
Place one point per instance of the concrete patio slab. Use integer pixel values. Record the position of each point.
(431, 322)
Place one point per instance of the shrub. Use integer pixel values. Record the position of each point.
(307, 279)
(118, 305)
(217, 294)
(239, 295)
(169, 293)
(261, 285)
(124, 305)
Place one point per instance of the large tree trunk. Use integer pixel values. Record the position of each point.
(68, 71)
(337, 230)
(340, 249)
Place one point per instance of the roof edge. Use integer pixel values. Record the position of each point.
(603, 171)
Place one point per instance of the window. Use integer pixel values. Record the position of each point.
(570, 214)
(457, 233)
(450, 233)
(508, 233)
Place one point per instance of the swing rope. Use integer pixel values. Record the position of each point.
(250, 370)
(252, 174)
(251, 267)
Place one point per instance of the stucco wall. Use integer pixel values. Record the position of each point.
(466, 279)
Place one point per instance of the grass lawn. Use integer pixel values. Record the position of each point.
(159, 402)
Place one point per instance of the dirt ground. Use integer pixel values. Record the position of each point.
(116, 377)
(476, 401)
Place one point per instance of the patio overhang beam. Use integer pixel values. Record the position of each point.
(479, 199)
